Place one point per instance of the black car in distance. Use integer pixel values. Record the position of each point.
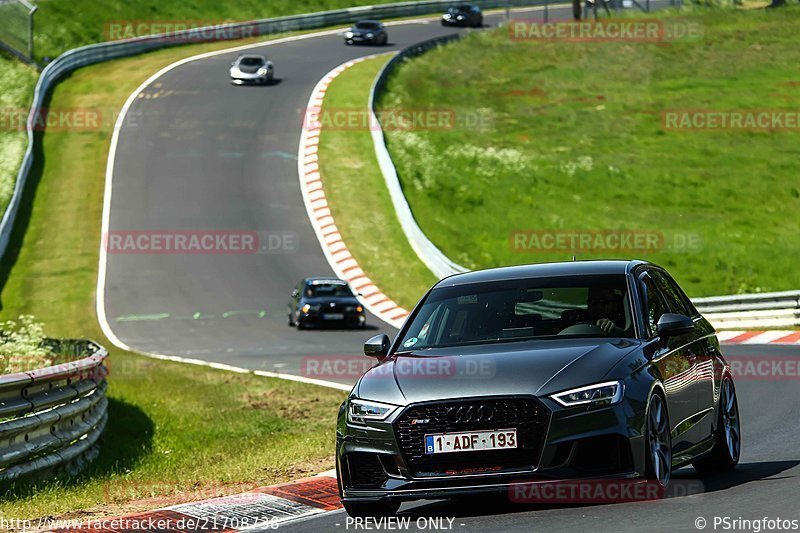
(367, 32)
(463, 15)
(323, 301)
(535, 374)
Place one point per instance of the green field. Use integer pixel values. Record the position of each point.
(569, 136)
(176, 432)
(65, 24)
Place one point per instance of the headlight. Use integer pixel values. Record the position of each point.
(306, 308)
(370, 35)
(359, 411)
(349, 35)
(598, 395)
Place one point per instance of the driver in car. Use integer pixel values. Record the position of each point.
(604, 307)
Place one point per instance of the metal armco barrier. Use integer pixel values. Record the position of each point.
(96, 53)
(438, 263)
(51, 418)
(745, 311)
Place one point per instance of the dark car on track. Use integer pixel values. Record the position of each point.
(252, 68)
(560, 371)
(325, 302)
(367, 32)
(463, 15)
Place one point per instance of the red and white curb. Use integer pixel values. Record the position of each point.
(311, 184)
(759, 337)
(257, 510)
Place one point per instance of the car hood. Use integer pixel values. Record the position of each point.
(539, 368)
(249, 69)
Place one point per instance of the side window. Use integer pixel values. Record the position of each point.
(673, 294)
(654, 303)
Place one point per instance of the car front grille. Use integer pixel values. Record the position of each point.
(530, 418)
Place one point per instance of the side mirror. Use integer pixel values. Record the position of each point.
(295, 292)
(672, 324)
(378, 346)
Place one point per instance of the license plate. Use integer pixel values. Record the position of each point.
(501, 439)
(333, 316)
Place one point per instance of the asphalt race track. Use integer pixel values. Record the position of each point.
(197, 153)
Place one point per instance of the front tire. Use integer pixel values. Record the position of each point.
(724, 456)
(376, 510)
(659, 441)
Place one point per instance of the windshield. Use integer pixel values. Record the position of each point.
(367, 25)
(459, 9)
(251, 61)
(586, 306)
(324, 290)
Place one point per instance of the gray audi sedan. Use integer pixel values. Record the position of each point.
(527, 375)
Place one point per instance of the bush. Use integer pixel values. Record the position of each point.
(22, 346)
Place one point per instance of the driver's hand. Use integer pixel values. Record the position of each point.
(607, 325)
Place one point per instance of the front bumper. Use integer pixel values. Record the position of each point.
(579, 444)
(255, 80)
(349, 319)
(360, 39)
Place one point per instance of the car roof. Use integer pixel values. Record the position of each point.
(319, 280)
(255, 56)
(368, 21)
(565, 268)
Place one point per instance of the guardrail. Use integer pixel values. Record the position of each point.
(96, 53)
(745, 311)
(51, 418)
(436, 261)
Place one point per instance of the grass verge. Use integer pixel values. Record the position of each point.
(175, 432)
(352, 177)
(16, 92)
(569, 136)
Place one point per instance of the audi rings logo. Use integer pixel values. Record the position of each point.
(470, 413)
